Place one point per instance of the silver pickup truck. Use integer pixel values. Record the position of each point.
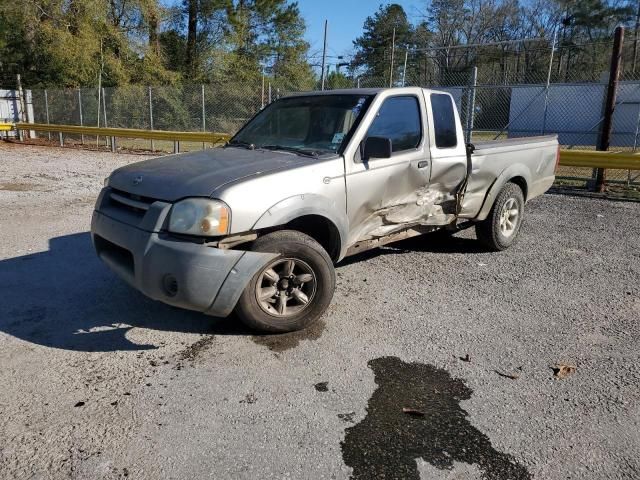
(257, 225)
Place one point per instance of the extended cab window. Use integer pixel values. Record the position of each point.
(399, 120)
(444, 120)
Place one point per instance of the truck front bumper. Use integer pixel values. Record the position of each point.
(179, 273)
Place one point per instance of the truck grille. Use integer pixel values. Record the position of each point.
(129, 201)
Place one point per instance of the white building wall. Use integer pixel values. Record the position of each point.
(574, 112)
(11, 111)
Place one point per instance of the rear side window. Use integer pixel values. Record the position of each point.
(444, 120)
(399, 120)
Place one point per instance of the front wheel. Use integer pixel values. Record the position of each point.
(501, 227)
(292, 291)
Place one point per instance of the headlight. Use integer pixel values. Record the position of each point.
(199, 216)
(106, 181)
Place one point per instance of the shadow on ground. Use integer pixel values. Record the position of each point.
(430, 243)
(66, 298)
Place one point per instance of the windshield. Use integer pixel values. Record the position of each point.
(309, 124)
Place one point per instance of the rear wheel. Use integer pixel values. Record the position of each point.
(292, 291)
(501, 227)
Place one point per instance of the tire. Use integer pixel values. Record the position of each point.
(313, 279)
(500, 229)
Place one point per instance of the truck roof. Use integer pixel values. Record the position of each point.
(359, 91)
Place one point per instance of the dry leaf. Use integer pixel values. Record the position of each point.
(563, 371)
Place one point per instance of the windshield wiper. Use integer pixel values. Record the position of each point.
(300, 151)
(240, 143)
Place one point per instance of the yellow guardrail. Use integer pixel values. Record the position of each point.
(568, 158)
(174, 136)
(596, 159)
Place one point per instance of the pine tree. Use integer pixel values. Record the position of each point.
(373, 47)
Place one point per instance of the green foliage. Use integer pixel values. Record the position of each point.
(373, 48)
(485, 28)
(73, 43)
(337, 80)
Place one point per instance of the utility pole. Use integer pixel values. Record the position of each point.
(404, 70)
(635, 40)
(610, 103)
(324, 54)
(546, 90)
(100, 90)
(393, 48)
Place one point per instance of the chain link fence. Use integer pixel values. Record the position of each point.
(508, 89)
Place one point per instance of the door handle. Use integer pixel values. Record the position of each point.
(423, 164)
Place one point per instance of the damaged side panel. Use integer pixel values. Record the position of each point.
(404, 197)
(424, 206)
(401, 196)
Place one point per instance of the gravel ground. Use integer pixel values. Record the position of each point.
(99, 382)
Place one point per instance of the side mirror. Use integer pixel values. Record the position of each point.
(376, 147)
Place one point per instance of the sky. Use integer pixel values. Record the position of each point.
(346, 18)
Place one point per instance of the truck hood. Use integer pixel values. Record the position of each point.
(199, 174)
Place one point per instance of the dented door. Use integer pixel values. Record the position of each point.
(386, 195)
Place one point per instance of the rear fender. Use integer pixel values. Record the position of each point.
(517, 170)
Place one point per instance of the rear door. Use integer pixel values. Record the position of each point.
(448, 150)
(383, 194)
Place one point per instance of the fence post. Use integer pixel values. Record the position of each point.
(269, 92)
(471, 104)
(46, 108)
(104, 113)
(21, 103)
(605, 133)
(151, 117)
(204, 121)
(80, 111)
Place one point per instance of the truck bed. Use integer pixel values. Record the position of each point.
(482, 147)
(533, 159)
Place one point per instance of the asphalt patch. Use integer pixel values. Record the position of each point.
(192, 352)
(387, 442)
(322, 386)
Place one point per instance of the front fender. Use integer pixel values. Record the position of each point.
(297, 206)
(513, 171)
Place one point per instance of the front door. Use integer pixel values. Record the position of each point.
(387, 194)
